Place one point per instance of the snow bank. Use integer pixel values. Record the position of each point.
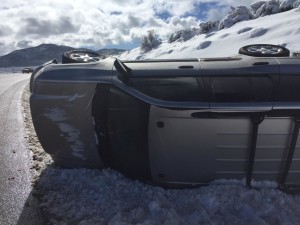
(85, 197)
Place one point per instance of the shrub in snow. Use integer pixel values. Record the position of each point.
(296, 54)
(208, 26)
(264, 8)
(241, 13)
(226, 23)
(296, 4)
(287, 5)
(183, 35)
(256, 5)
(150, 41)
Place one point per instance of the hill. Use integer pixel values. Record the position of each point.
(40, 54)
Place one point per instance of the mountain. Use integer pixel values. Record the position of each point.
(279, 29)
(33, 56)
(40, 54)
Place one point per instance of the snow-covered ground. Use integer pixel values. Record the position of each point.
(280, 29)
(88, 197)
(85, 197)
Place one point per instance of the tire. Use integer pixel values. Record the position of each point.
(264, 50)
(81, 56)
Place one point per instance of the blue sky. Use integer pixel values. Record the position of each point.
(100, 23)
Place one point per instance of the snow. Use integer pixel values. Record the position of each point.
(88, 197)
(81, 196)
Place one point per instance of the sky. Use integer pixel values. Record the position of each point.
(101, 24)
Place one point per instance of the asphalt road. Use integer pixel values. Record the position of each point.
(15, 177)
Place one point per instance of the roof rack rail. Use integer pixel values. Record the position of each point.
(220, 59)
(161, 60)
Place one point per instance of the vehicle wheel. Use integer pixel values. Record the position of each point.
(264, 50)
(81, 56)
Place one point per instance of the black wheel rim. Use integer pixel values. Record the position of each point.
(84, 57)
(265, 49)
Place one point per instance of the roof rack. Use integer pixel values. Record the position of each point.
(220, 59)
(161, 60)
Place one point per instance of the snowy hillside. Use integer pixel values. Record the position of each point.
(280, 29)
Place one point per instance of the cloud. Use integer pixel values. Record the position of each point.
(5, 30)
(99, 23)
(42, 27)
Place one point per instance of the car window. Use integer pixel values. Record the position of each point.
(263, 88)
(179, 89)
(289, 89)
(241, 89)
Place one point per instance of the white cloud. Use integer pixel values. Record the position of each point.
(26, 23)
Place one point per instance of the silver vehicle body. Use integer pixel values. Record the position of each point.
(171, 141)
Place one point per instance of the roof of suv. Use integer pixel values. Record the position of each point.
(237, 65)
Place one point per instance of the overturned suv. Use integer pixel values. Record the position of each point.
(174, 122)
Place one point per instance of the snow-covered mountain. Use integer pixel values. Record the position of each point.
(280, 29)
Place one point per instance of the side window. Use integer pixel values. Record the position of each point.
(241, 89)
(232, 89)
(178, 89)
(289, 89)
(263, 88)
